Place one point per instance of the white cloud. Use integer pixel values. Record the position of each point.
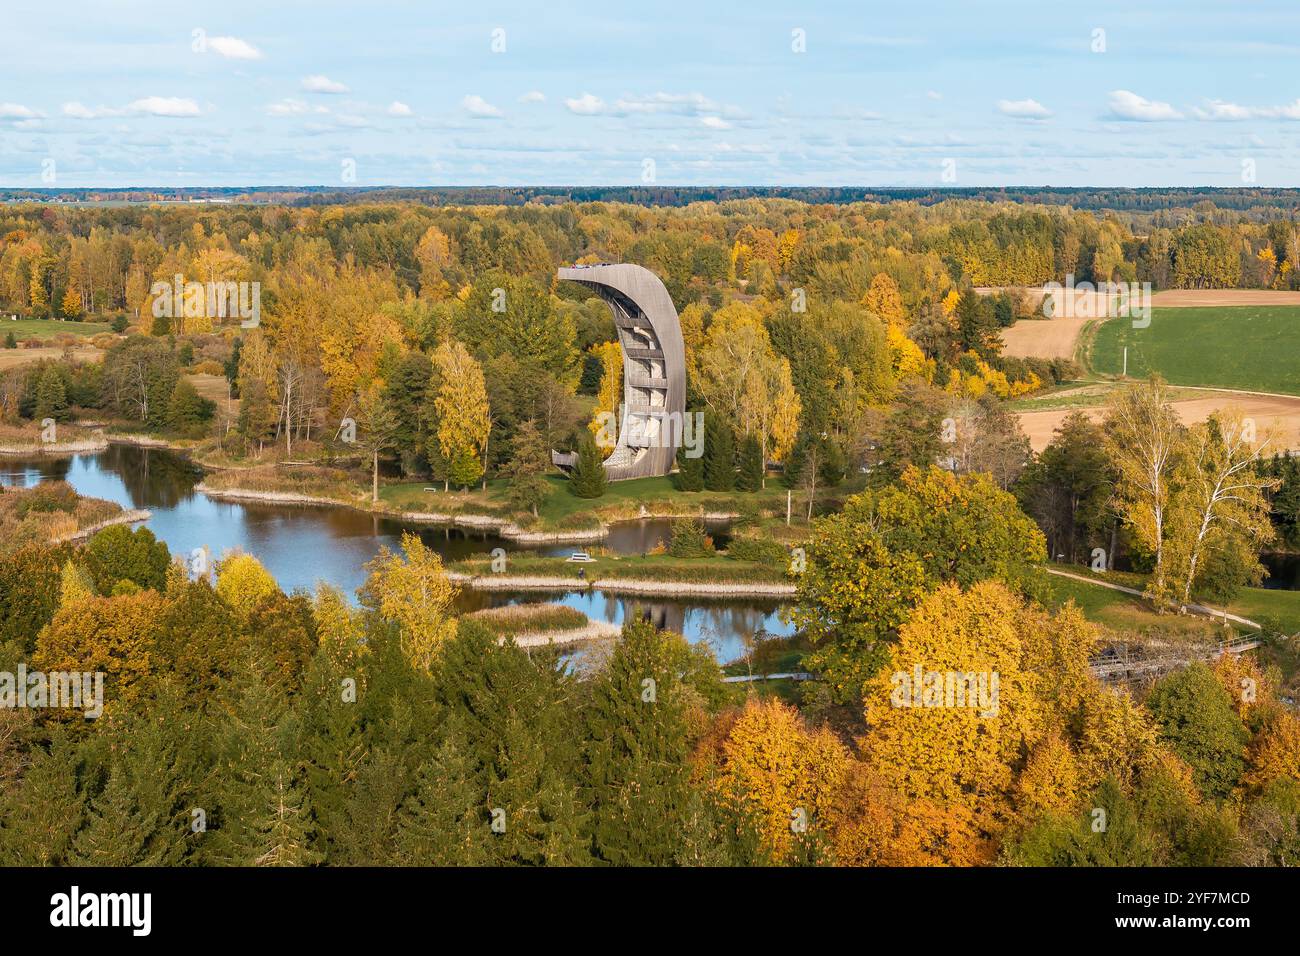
(686, 104)
(317, 83)
(586, 105)
(533, 96)
(165, 106)
(475, 105)
(293, 107)
(398, 108)
(234, 48)
(858, 115)
(934, 94)
(1223, 111)
(1130, 106)
(658, 104)
(81, 111)
(1024, 109)
(16, 111)
(173, 106)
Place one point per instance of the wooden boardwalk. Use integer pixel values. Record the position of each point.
(1122, 667)
(1105, 667)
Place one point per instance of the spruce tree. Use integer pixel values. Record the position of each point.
(142, 816)
(792, 471)
(444, 823)
(749, 475)
(40, 817)
(120, 830)
(51, 396)
(636, 777)
(283, 826)
(527, 468)
(333, 749)
(690, 472)
(258, 814)
(588, 479)
(186, 408)
(513, 716)
(719, 455)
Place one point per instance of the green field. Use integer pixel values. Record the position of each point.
(1246, 347)
(47, 328)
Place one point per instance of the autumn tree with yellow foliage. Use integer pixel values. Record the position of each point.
(463, 416)
(416, 594)
(783, 774)
(975, 682)
(746, 382)
(244, 583)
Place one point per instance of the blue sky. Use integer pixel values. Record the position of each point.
(285, 92)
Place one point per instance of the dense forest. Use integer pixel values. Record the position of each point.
(846, 302)
(245, 726)
(850, 345)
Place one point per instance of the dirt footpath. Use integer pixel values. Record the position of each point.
(1279, 414)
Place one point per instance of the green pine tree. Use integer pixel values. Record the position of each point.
(143, 815)
(51, 395)
(186, 408)
(690, 472)
(333, 750)
(588, 479)
(513, 716)
(795, 462)
(40, 817)
(527, 468)
(719, 455)
(636, 777)
(749, 476)
(444, 823)
(260, 814)
(283, 828)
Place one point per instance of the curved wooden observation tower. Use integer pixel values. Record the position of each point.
(654, 368)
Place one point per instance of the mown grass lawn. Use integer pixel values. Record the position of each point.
(1266, 605)
(47, 328)
(1246, 347)
(1120, 611)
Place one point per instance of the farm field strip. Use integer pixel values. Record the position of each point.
(1219, 348)
(1240, 348)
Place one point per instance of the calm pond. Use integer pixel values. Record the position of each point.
(304, 545)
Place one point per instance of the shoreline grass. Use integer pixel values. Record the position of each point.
(718, 569)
